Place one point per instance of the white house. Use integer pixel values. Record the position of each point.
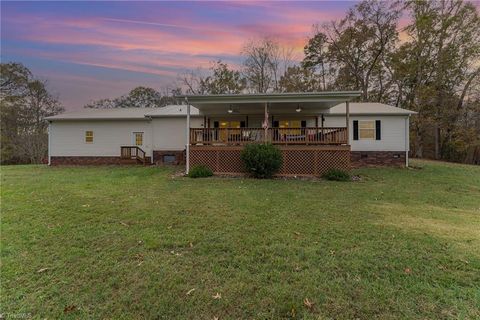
(315, 132)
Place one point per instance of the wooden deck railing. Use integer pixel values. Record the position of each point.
(287, 136)
(133, 152)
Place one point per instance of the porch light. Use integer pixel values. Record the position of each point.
(298, 109)
(230, 110)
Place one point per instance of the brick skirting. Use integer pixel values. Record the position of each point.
(159, 157)
(91, 160)
(377, 158)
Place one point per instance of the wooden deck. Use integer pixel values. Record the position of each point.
(279, 136)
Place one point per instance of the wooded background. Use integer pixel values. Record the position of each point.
(431, 66)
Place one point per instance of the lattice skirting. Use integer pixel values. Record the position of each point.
(297, 160)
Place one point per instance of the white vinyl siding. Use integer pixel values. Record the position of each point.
(68, 138)
(393, 129)
(170, 133)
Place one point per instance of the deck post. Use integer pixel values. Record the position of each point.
(347, 119)
(265, 123)
(187, 148)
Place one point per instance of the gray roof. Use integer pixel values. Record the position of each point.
(369, 108)
(295, 97)
(356, 108)
(125, 113)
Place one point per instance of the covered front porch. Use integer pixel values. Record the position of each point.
(294, 122)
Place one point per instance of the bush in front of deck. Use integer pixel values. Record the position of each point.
(200, 171)
(337, 175)
(262, 161)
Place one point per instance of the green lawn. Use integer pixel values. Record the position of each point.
(133, 242)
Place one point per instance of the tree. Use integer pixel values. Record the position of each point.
(316, 55)
(223, 80)
(356, 48)
(265, 61)
(298, 79)
(25, 102)
(436, 71)
(220, 80)
(139, 97)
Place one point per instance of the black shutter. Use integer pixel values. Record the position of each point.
(304, 124)
(216, 124)
(275, 124)
(378, 133)
(355, 129)
(242, 124)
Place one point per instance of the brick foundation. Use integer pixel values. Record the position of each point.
(94, 161)
(179, 157)
(377, 158)
(84, 160)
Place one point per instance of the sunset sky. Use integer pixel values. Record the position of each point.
(92, 50)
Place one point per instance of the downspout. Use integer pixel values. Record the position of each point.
(153, 136)
(187, 149)
(49, 134)
(347, 120)
(407, 138)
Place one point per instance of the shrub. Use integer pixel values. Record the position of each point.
(200, 171)
(337, 175)
(261, 160)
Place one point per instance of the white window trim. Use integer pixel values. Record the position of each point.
(134, 141)
(85, 137)
(374, 130)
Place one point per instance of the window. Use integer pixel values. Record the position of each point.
(88, 136)
(289, 124)
(230, 124)
(138, 136)
(366, 129)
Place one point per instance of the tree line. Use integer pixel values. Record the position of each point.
(431, 66)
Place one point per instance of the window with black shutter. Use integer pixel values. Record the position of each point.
(355, 129)
(378, 130)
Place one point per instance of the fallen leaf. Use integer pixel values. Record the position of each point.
(307, 303)
(124, 224)
(86, 205)
(408, 270)
(140, 263)
(191, 245)
(215, 318)
(190, 291)
(69, 309)
(42, 270)
(217, 296)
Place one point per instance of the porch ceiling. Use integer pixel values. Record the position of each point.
(280, 103)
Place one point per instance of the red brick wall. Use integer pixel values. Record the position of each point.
(95, 161)
(179, 156)
(377, 158)
(84, 160)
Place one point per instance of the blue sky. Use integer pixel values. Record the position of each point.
(91, 50)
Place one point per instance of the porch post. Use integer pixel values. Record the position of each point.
(347, 118)
(187, 156)
(265, 123)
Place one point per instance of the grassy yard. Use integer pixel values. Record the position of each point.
(134, 242)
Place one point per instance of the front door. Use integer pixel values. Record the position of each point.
(137, 139)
